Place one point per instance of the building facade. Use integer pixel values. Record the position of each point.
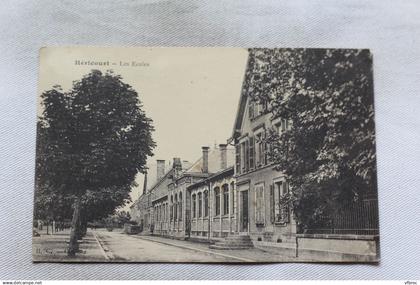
(213, 203)
(260, 188)
(234, 190)
(168, 208)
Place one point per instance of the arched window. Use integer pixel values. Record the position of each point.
(176, 207)
(172, 208)
(200, 204)
(193, 206)
(225, 188)
(217, 200)
(180, 206)
(206, 203)
(163, 212)
(232, 190)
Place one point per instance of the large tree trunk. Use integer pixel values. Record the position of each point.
(75, 228)
(83, 224)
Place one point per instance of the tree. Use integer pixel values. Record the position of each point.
(97, 138)
(329, 152)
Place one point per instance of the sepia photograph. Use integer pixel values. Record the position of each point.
(205, 155)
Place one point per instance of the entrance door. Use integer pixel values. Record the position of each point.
(244, 211)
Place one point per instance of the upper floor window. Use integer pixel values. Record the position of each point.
(259, 148)
(256, 109)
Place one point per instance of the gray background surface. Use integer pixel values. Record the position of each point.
(391, 29)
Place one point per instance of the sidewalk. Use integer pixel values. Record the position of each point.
(53, 248)
(253, 255)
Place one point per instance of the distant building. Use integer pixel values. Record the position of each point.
(213, 203)
(165, 208)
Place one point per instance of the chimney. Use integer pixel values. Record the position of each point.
(223, 154)
(205, 168)
(177, 166)
(160, 168)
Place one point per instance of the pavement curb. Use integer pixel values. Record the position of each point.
(197, 249)
(103, 248)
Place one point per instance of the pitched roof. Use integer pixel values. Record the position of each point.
(241, 106)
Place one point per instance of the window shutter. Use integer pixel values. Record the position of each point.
(246, 155)
(238, 158)
(251, 153)
(264, 149)
(267, 153)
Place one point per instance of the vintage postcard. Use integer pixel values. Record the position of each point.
(211, 155)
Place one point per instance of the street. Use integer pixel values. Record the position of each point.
(122, 247)
(104, 246)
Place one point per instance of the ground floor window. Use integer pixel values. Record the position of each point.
(206, 203)
(217, 200)
(193, 206)
(180, 206)
(176, 208)
(281, 210)
(232, 188)
(225, 199)
(200, 204)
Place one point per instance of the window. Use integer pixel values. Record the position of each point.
(217, 200)
(176, 208)
(259, 198)
(259, 149)
(255, 109)
(172, 208)
(250, 109)
(206, 203)
(281, 211)
(238, 158)
(180, 206)
(225, 199)
(251, 153)
(164, 212)
(194, 206)
(200, 204)
(232, 187)
(284, 125)
(243, 157)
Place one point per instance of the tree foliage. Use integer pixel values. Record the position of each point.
(92, 141)
(97, 135)
(329, 152)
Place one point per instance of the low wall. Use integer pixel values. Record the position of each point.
(331, 247)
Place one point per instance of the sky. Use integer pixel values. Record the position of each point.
(191, 94)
